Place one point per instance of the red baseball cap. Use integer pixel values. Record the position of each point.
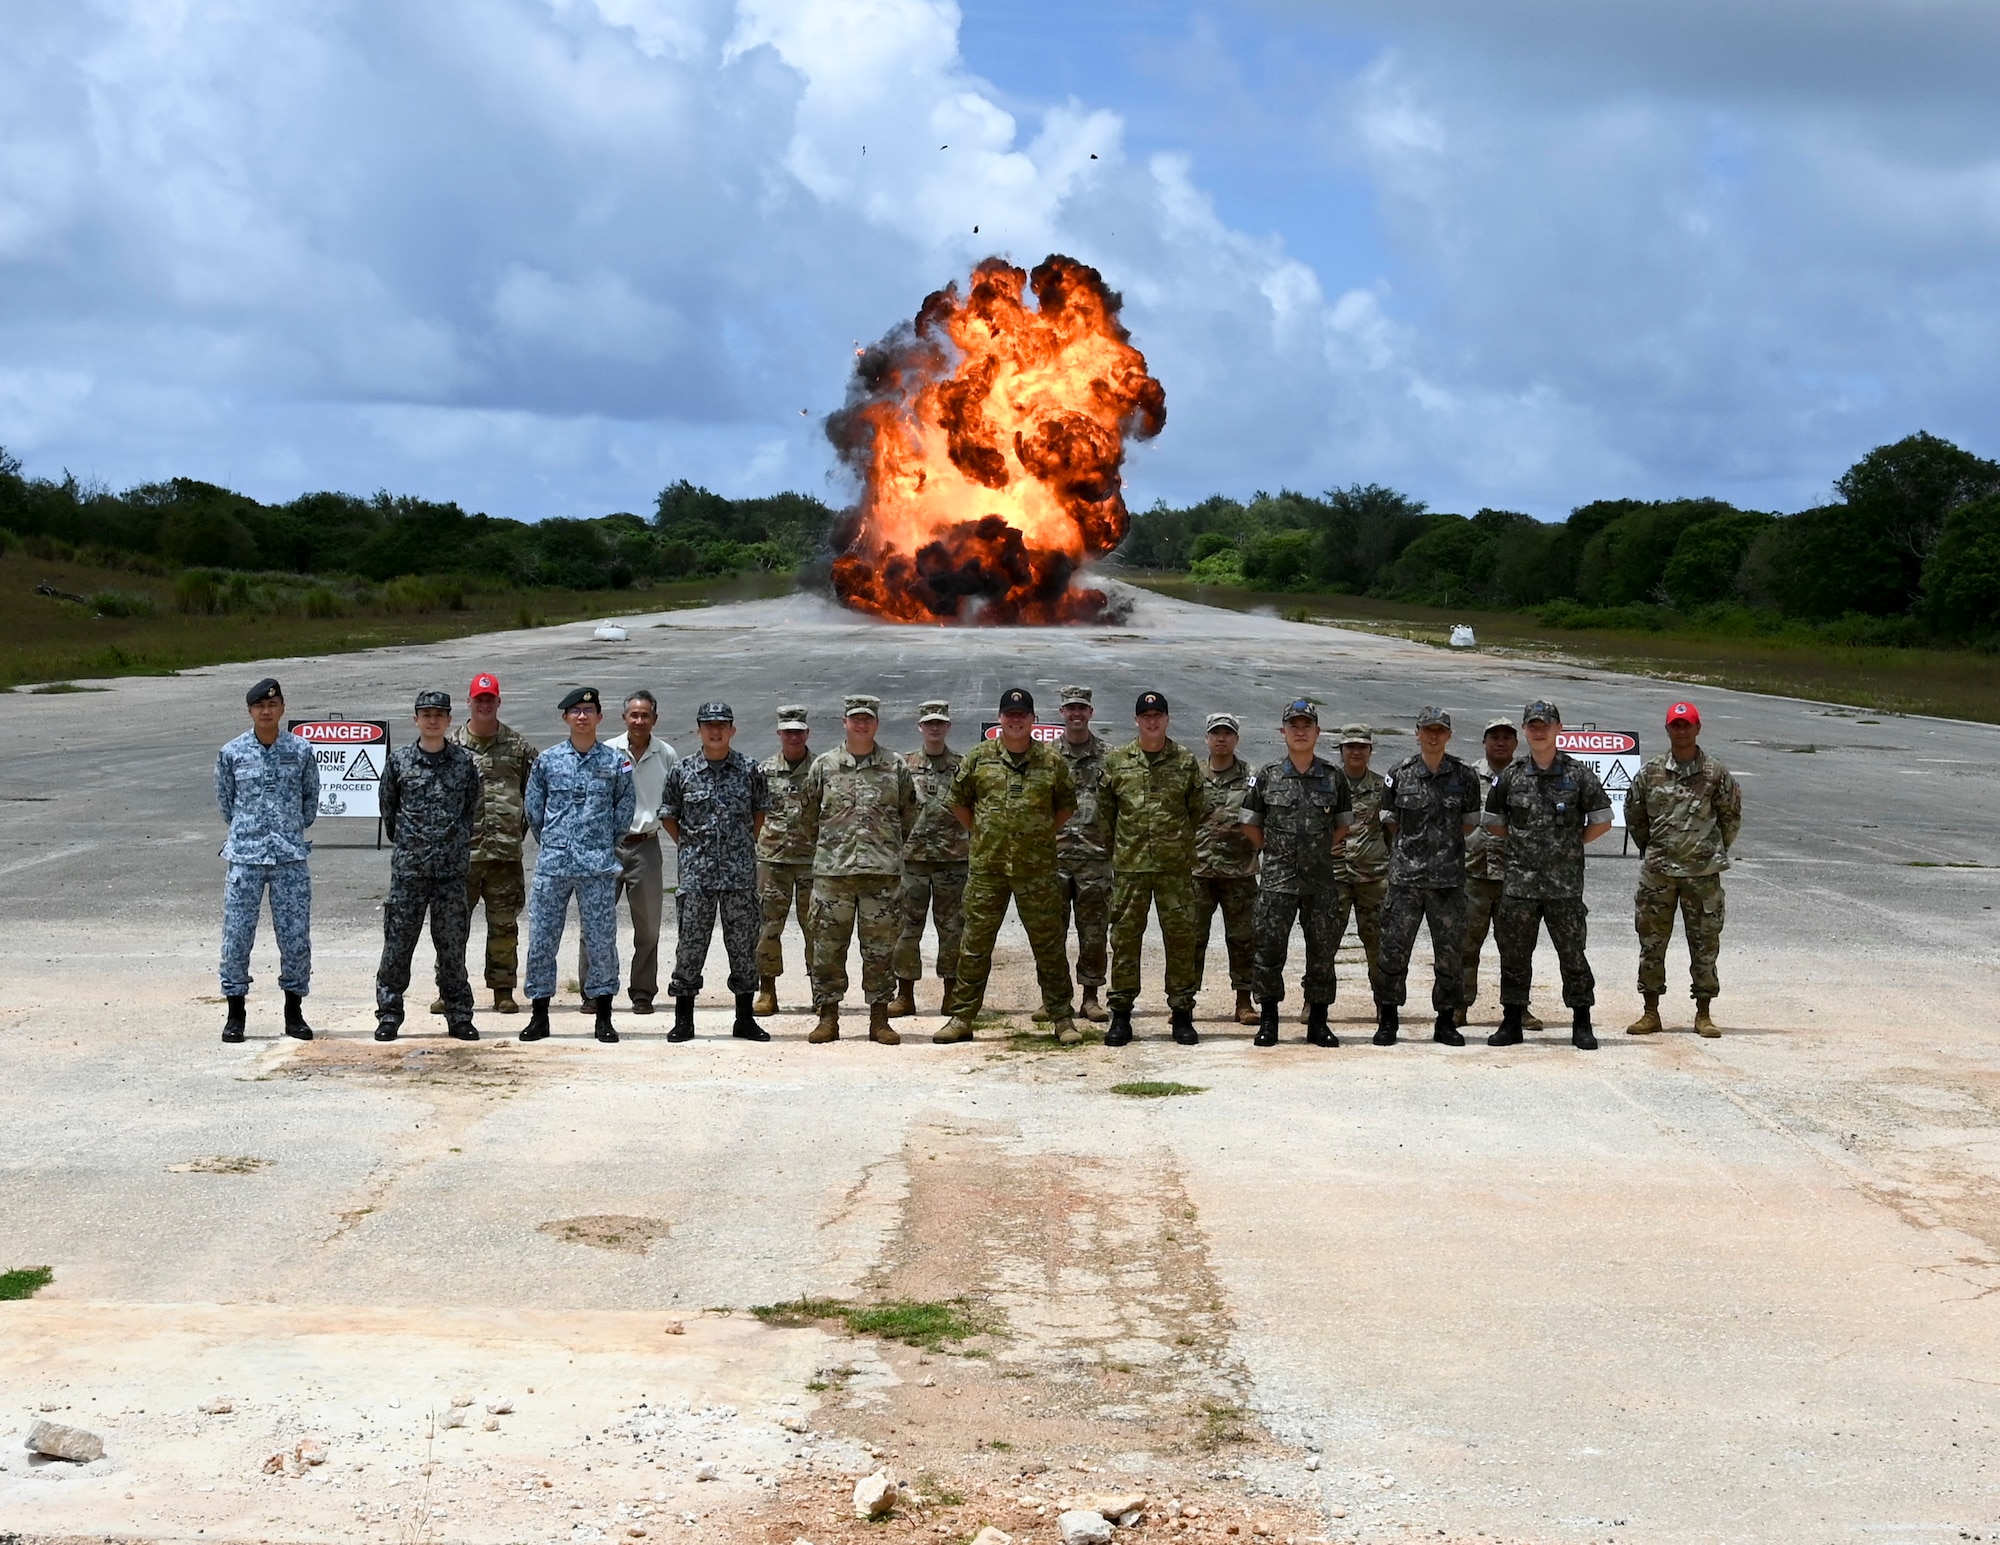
(1685, 711)
(482, 684)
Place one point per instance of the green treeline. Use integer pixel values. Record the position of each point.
(1909, 549)
(185, 524)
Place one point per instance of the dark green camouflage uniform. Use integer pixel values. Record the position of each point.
(495, 875)
(1152, 804)
(1685, 819)
(1361, 865)
(1298, 812)
(1485, 880)
(1545, 811)
(1016, 801)
(859, 811)
(1083, 862)
(429, 802)
(1427, 875)
(1225, 874)
(784, 862)
(934, 861)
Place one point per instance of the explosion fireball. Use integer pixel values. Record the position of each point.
(987, 439)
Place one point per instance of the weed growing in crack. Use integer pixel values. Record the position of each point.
(1157, 1089)
(25, 1281)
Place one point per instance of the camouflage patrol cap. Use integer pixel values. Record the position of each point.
(433, 700)
(1300, 708)
(267, 688)
(792, 716)
(861, 703)
(715, 713)
(1541, 708)
(1074, 695)
(1225, 721)
(1501, 723)
(1356, 735)
(936, 711)
(1433, 718)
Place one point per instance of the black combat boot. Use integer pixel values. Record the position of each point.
(295, 1018)
(1388, 1024)
(1581, 1036)
(1509, 1033)
(233, 1021)
(1318, 1031)
(746, 1027)
(606, 1031)
(683, 1029)
(464, 1030)
(537, 1027)
(1445, 1032)
(1182, 1021)
(1120, 1033)
(386, 1030)
(1267, 1023)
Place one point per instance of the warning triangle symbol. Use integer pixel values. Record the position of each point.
(361, 769)
(1617, 778)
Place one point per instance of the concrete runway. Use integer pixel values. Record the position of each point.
(1741, 1290)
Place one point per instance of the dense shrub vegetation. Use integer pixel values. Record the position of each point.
(1909, 549)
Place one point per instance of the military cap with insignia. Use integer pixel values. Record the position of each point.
(1433, 718)
(1017, 700)
(1150, 702)
(1543, 709)
(1300, 708)
(579, 698)
(936, 711)
(267, 688)
(715, 713)
(433, 699)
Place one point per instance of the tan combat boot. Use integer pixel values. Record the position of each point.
(767, 996)
(904, 1004)
(957, 1028)
(503, 1001)
(828, 1028)
(1067, 1033)
(1091, 1009)
(1647, 1023)
(1529, 1021)
(1461, 1018)
(1246, 1007)
(879, 1029)
(437, 1005)
(1703, 1025)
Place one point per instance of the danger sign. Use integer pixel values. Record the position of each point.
(1612, 754)
(352, 754)
(1047, 733)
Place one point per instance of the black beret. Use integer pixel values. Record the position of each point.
(268, 687)
(579, 697)
(1017, 700)
(1150, 702)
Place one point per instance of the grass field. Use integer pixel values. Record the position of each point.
(51, 641)
(1956, 683)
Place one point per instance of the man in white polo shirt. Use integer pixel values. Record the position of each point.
(640, 878)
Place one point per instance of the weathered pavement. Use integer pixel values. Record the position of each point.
(1678, 1291)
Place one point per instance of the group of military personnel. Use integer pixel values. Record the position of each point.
(1079, 835)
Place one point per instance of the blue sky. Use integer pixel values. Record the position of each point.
(543, 256)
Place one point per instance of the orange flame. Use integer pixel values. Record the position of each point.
(987, 439)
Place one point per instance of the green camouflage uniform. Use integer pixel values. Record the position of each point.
(784, 862)
(1361, 868)
(1298, 812)
(1545, 811)
(934, 861)
(1016, 801)
(495, 876)
(1225, 873)
(859, 812)
(1083, 861)
(1152, 804)
(1684, 817)
(1427, 876)
(1485, 880)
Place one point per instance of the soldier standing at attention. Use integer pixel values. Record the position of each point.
(580, 797)
(1546, 806)
(1361, 858)
(1083, 852)
(933, 865)
(712, 804)
(1684, 810)
(430, 802)
(860, 807)
(784, 854)
(1295, 813)
(1431, 803)
(1225, 865)
(495, 875)
(641, 874)
(1153, 800)
(1486, 864)
(1013, 794)
(267, 788)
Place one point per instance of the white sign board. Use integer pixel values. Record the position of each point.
(1612, 754)
(353, 754)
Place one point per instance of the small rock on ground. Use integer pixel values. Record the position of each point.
(60, 1442)
(875, 1495)
(1083, 1527)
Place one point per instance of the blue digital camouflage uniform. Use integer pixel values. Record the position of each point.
(716, 805)
(430, 804)
(269, 795)
(577, 804)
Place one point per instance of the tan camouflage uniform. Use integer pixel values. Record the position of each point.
(784, 862)
(1225, 874)
(1083, 861)
(1684, 818)
(1152, 803)
(496, 876)
(859, 812)
(934, 868)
